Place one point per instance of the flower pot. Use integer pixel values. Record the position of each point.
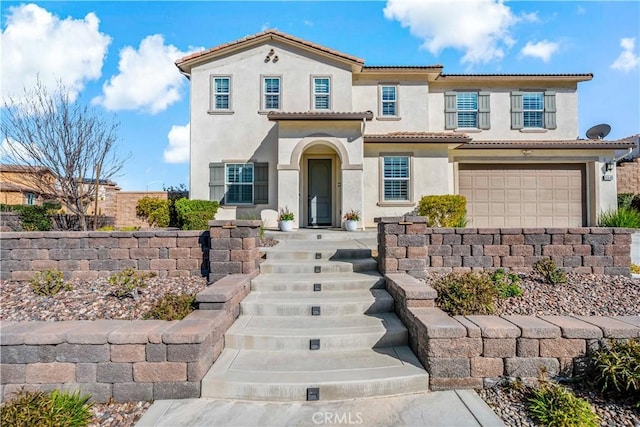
(285, 225)
(351, 225)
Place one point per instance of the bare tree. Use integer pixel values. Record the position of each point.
(46, 130)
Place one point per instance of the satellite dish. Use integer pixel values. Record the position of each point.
(598, 131)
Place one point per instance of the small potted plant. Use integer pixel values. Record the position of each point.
(351, 219)
(285, 219)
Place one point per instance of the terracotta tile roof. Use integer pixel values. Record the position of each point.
(319, 115)
(273, 34)
(436, 67)
(573, 143)
(417, 137)
(523, 76)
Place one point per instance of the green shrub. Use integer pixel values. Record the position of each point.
(466, 293)
(553, 405)
(130, 228)
(629, 200)
(444, 211)
(622, 217)
(508, 284)
(33, 217)
(195, 214)
(127, 282)
(172, 307)
(46, 409)
(154, 211)
(48, 283)
(617, 368)
(550, 271)
(635, 268)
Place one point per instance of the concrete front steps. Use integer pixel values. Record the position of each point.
(318, 323)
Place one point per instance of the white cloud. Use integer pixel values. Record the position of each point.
(542, 50)
(148, 79)
(480, 28)
(530, 17)
(627, 60)
(37, 44)
(178, 149)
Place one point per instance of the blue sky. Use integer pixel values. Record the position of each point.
(119, 55)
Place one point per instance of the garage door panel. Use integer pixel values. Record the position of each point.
(542, 195)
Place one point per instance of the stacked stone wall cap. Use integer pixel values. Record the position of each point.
(612, 328)
(206, 315)
(473, 330)
(134, 332)
(93, 331)
(574, 328)
(534, 327)
(52, 333)
(189, 332)
(632, 320)
(495, 327)
(15, 333)
(155, 335)
(438, 324)
(410, 288)
(224, 289)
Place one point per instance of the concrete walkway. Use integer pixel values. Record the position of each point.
(444, 408)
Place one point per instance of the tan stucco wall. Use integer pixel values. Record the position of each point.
(566, 116)
(246, 134)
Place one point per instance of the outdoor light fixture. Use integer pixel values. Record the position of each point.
(608, 166)
(527, 152)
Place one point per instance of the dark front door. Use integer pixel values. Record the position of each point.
(319, 191)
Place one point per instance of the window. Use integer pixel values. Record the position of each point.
(395, 178)
(30, 198)
(467, 110)
(467, 105)
(221, 89)
(236, 183)
(321, 93)
(271, 93)
(388, 101)
(533, 110)
(239, 183)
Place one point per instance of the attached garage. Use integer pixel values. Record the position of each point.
(524, 195)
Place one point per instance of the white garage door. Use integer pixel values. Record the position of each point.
(524, 195)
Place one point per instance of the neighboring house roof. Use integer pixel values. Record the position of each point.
(22, 168)
(12, 186)
(575, 143)
(319, 115)
(417, 137)
(259, 37)
(101, 182)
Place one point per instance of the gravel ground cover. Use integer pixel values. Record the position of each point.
(582, 295)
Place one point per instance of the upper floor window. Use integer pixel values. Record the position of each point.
(221, 93)
(395, 178)
(467, 104)
(271, 93)
(533, 110)
(321, 93)
(388, 100)
(467, 110)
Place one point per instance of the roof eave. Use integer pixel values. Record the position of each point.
(305, 116)
(575, 78)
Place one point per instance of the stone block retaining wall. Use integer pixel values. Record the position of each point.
(88, 255)
(120, 359)
(477, 351)
(234, 248)
(408, 245)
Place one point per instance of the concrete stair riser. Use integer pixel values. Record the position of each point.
(309, 266)
(326, 286)
(326, 255)
(326, 309)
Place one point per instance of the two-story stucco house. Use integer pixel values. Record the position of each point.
(277, 121)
